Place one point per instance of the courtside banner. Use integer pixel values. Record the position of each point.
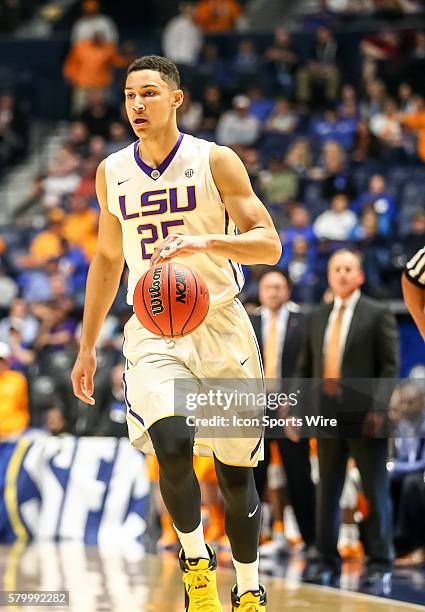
(93, 490)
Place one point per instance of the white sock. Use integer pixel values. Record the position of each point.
(246, 576)
(193, 543)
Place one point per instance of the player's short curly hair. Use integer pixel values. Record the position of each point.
(166, 68)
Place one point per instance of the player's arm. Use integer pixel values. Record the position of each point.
(258, 241)
(102, 285)
(414, 298)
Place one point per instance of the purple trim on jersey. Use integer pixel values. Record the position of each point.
(257, 446)
(162, 166)
(129, 408)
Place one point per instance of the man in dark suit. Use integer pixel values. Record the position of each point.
(354, 337)
(280, 327)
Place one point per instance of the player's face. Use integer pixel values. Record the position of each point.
(344, 274)
(274, 291)
(150, 102)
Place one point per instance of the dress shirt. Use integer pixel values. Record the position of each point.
(282, 322)
(350, 304)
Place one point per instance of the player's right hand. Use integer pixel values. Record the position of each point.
(82, 376)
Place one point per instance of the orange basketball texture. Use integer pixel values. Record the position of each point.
(171, 300)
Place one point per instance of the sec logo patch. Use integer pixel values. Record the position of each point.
(189, 173)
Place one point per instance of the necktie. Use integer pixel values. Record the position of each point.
(332, 356)
(271, 349)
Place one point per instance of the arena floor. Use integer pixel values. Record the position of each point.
(109, 580)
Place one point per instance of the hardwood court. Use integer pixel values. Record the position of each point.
(130, 580)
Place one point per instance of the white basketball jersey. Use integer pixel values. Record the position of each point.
(179, 196)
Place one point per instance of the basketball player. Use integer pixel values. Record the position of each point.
(169, 196)
(413, 285)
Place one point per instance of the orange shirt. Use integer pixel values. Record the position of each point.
(217, 15)
(14, 412)
(416, 121)
(80, 228)
(91, 65)
(45, 246)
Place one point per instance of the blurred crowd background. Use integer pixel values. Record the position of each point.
(326, 110)
(324, 101)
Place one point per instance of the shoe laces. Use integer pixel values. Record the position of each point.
(200, 593)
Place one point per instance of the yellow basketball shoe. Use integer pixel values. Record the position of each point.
(251, 601)
(200, 583)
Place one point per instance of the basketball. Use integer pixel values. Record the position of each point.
(171, 300)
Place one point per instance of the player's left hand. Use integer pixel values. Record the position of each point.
(178, 245)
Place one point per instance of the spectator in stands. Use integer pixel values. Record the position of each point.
(302, 271)
(87, 181)
(63, 174)
(213, 107)
(386, 126)
(299, 157)
(321, 69)
(57, 327)
(238, 126)
(80, 225)
(97, 148)
(335, 177)
(348, 106)
(182, 38)
(55, 420)
(407, 99)
(251, 159)
(406, 470)
(217, 15)
(413, 240)
(282, 119)
(78, 138)
(65, 161)
(374, 100)
(14, 412)
(47, 244)
(118, 137)
(89, 65)
(91, 22)
(337, 222)
(366, 145)
(246, 64)
(281, 61)
(381, 202)
(367, 227)
(19, 318)
(99, 114)
(212, 69)
(334, 127)
(278, 183)
(35, 284)
(261, 106)
(22, 356)
(383, 50)
(189, 115)
(299, 226)
(416, 122)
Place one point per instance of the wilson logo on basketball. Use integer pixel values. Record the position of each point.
(181, 287)
(155, 293)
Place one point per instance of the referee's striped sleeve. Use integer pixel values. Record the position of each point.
(415, 269)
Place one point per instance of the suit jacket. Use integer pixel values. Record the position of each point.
(371, 354)
(293, 343)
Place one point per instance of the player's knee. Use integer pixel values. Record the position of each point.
(237, 487)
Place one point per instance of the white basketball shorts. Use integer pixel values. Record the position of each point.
(223, 347)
